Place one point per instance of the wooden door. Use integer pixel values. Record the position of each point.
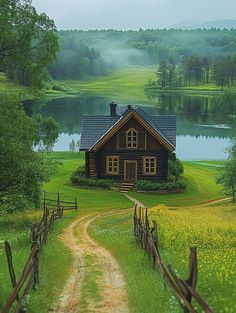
(130, 171)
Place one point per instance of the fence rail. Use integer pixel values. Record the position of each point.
(39, 233)
(183, 289)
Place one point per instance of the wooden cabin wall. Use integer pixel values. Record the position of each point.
(161, 159)
(153, 148)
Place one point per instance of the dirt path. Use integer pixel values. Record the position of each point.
(210, 202)
(109, 279)
(202, 205)
(135, 201)
(91, 258)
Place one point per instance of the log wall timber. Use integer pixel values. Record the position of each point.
(147, 146)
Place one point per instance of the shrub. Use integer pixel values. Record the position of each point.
(151, 186)
(175, 168)
(52, 84)
(78, 177)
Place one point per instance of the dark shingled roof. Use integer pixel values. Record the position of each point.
(95, 126)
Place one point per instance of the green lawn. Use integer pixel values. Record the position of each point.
(201, 187)
(16, 229)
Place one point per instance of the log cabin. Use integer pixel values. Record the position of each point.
(129, 146)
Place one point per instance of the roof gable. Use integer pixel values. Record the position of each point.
(141, 118)
(97, 130)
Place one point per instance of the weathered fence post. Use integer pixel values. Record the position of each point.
(45, 225)
(58, 201)
(76, 204)
(135, 222)
(44, 200)
(35, 243)
(192, 279)
(10, 265)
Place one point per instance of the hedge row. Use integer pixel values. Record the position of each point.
(88, 182)
(146, 185)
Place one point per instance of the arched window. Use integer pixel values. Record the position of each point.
(131, 139)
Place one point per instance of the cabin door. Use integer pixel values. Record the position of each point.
(130, 171)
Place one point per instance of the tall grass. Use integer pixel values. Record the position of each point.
(213, 231)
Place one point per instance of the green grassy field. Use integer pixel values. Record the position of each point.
(123, 84)
(128, 84)
(118, 233)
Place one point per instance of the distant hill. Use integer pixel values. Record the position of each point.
(227, 23)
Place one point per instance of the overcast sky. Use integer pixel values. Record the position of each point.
(132, 14)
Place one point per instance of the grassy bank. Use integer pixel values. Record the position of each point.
(123, 84)
(55, 89)
(15, 89)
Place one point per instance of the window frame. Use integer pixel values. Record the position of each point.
(147, 159)
(134, 131)
(112, 158)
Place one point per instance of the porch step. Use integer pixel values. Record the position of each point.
(126, 187)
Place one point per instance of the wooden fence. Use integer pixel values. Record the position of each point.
(53, 209)
(183, 289)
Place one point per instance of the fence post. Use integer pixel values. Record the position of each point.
(135, 221)
(193, 269)
(44, 200)
(45, 225)
(36, 257)
(76, 204)
(58, 201)
(10, 265)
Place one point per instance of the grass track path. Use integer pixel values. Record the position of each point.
(111, 283)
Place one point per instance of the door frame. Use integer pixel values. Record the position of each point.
(136, 168)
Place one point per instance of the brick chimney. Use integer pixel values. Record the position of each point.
(113, 106)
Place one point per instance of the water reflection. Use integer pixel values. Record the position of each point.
(203, 128)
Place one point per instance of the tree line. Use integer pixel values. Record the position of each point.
(32, 51)
(196, 70)
(76, 60)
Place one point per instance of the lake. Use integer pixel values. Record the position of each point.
(203, 129)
